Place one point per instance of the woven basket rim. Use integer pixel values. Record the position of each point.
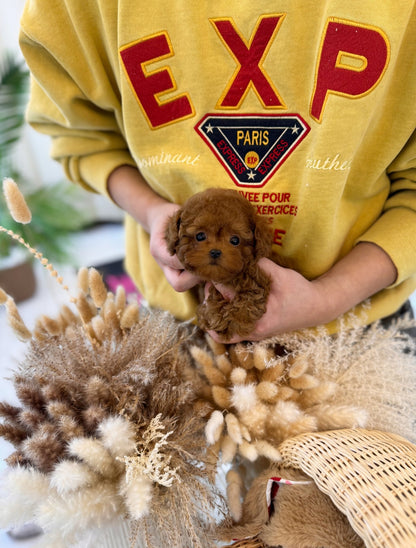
(369, 475)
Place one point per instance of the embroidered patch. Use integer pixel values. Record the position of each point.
(251, 147)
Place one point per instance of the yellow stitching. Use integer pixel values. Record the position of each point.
(359, 62)
(329, 92)
(157, 71)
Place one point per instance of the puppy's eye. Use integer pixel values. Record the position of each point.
(200, 236)
(234, 240)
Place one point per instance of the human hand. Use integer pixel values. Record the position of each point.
(293, 303)
(296, 303)
(179, 278)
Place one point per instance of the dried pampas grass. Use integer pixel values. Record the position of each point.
(16, 202)
(267, 392)
(109, 425)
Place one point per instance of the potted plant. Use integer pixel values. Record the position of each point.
(54, 207)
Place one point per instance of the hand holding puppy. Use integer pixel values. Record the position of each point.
(218, 237)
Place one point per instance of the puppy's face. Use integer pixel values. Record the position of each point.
(214, 235)
(216, 249)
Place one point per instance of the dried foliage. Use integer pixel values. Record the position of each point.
(264, 393)
(117, 407)
(109, 425)
(15, 202)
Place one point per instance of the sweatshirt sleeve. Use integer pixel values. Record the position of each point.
(395, 230)
(74, 91)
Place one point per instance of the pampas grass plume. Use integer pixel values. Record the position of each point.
(16, 322)
(118, 436)
(238, 375)
(137, 494)
(94, 454)
(69, 476)
(233, 428)
(87, 508)
(321, 393)
(266, 391)
(15, 202)
(298, 368)
(3, 296)
(98, 325)
(24, 489)
(130, 316)
(244, 397)
(98, 290)
(304, 382)
(214, 427)
(224, 364)
(340, 416)
(228, 449)
(242, 355)
(234, 492)
(273, 373)
(248, 451)
(82, 279)
(266, 449)
(221, 396)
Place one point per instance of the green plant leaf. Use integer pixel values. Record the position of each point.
(14, 79)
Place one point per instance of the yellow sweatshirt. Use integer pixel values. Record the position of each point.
(308, 108)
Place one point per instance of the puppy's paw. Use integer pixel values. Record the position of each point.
(211, 317)
(224, 320)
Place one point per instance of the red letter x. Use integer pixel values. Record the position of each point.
(249, 58)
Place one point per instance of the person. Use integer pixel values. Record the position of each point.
(308, 110)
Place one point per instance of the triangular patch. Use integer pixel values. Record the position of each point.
(252, 147)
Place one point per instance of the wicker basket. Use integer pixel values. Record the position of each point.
(369, 475)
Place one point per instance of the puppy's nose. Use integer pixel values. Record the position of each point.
(215, 253)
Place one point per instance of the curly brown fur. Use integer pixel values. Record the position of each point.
(218, 236)
(302, 516)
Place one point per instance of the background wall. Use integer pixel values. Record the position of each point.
(32, 152)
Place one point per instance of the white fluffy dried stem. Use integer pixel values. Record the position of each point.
(23, 490)
(69, 476)
(16, 322)
(98, 290)
(16, 202)
(233, 428)
(95, 455)
(137, 494)
(234, 494)
(118, 436)
(214, 427)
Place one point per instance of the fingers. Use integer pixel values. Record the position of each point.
(233, 340)
(227, 292)
(181, 280)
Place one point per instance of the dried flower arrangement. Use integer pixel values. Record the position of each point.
(265, 393)
(108, 424)
(119, 405)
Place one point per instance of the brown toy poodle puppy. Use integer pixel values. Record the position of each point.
(218, 236)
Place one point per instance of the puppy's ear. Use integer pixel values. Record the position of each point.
(172, 231)
(263, 237)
